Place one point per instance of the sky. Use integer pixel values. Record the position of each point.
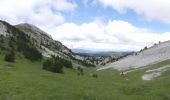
(101, 25)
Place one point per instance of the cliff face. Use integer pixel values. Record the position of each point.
(3, 29)
(44, 40)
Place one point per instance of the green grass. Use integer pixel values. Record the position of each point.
(25, 80)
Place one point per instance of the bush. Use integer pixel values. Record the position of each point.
(66, 63)
(30, 53)
(56, 64)
(10, 57)
(53, 66)
(63, 62)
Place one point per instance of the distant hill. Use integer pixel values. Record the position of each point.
(100, 53)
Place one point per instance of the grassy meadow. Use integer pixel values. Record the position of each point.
(25, 80)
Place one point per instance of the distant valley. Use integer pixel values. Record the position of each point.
(101, 53)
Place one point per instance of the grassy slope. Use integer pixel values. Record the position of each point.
(25, 80)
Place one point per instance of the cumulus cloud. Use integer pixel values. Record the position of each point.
(150, 9)
(45, 18)
(114, 35)
(32, 11)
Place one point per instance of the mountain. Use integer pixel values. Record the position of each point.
(53, 47)
(34, 37)
(147, 56)
(13, 39)
(48, 45)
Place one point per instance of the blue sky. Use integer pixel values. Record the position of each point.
(105, 25)
(88, 13)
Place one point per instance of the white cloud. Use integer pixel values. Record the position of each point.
(114, 35)
(46, 18)
(41, 11)
(150, 9)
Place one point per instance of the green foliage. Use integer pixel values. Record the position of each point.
(80, 70)
(28, 49)
(53, 66)
(11, 43)
(22, 42)
(10, 56)
(56, 64)
(32, 53)
(2, 42)
(1, 39)
(64, 62)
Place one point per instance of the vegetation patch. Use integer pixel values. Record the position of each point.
(56, 64)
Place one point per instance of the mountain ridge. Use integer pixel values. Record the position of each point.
(48, 46)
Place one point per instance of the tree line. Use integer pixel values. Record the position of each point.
(56, 64)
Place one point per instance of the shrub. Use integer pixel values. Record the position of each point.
(63, 62)
(53, 66)
(56, 64)
(29, 52)
(66, 63)
(10, 57)
(145, 48)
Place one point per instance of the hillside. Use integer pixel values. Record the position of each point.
(14, 41)
(47, 46)
(44, 40)
(53, 47)
(149, 56)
